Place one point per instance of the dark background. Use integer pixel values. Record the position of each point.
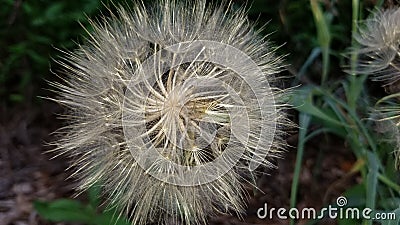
(32, 31)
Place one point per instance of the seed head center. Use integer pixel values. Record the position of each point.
(174, 103)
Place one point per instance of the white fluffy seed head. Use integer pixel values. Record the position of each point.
(387, 124)
(379, 37)
(123, 107)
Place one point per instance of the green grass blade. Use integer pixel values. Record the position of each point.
(304, 121)
(323, 35)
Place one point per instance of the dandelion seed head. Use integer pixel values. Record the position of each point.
(172, 108)
(386, 118)
(381, 30)
(379, 37)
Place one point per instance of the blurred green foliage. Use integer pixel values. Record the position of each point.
(317, 35)
(30, 32)
(67, 210)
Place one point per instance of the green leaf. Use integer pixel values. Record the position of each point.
(356, 195)
(304, 120)
(302, 100)
(111, 217)
(64, 210)
(94, 194)
(324, 35)
(390, 203)
(354, 89)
